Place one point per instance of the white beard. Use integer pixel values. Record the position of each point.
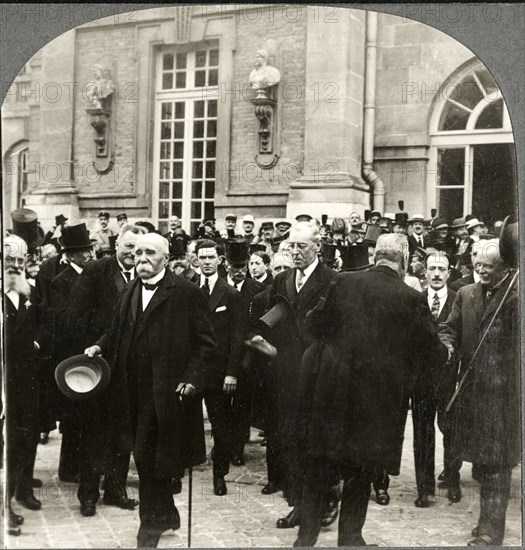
(18, 283)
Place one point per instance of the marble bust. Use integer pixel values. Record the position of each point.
(99, 89)
(263, 75)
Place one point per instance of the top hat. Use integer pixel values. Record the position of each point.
(25, 225)
(113, 243)
(122, 216)
(401, 218)
(81, 377)
(508, 242)
(439, 223)
(355, 257)
(371, 235)
(103, 214)
(177, 247)
(230, 217)
(75, 236)
(267, 225)
(60, 219)
(303, 218)
(236, 251)
(257, 247)
(328, 252)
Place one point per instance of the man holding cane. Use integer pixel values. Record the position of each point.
(149, 369)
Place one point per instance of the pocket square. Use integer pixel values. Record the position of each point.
(220, 308)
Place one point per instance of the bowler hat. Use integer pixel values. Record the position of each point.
(236, 251)
(401, 218)
(25, 225)
(303, 218)
(60, 219)
(508, 242)
(75, 236)
(355, 257)
(82, 377)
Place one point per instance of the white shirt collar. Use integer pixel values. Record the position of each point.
(123, 269)
(158, 277)
(14, 297)
(442, 292)
(263, 278)
(231, 282)
(310, 269)
(76, 267)
(212, 279)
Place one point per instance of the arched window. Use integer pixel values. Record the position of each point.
(472, 166)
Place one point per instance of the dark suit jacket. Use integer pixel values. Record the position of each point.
(48, 271)
(94, 297)
(291, 339)
(181, 344)
(464, 281)
(227, 317)
(488, 406)
(249, 290)
(413, 244)
(374, 334)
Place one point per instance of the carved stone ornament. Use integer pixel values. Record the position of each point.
(99, 93)
(264, 79)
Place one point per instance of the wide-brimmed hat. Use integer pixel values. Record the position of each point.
(60, 219)
(417, 218)
(439, 223)
(473, 222)
(459, 222)
(81, 377)
(25, 225)
(237, 251)
(75, 236)
(508, 242)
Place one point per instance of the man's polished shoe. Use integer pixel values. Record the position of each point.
(442, 476)
(148, 537)
(484, 540)
(14, 531)
(475, 531)
(30, 502)
(36, 483)
(382, 497)
(270, 488)
(238, 461)
(15, 519)
(121, 502)
(291, 520)
(88, 508)
(425, 501)
(454, 493)
(219, 486)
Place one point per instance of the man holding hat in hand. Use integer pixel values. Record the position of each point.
(153, 375)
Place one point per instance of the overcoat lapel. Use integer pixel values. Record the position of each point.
(495, 302)
(218, 292)
(22, 312)
(160, 296)
(117, 277)
(291, 291)
(476, 297)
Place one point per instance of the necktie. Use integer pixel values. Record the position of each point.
(236, 285)
(300, 279)
(150, 286)
(435, 307)
(127, 275)
(206, 286)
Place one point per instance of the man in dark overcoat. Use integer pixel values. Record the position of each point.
(301, 288)
(431, 394)
(159, 345)
(79, 249)
(90, 312)
(488, 405)
(221, 378)
(373, 334)
(20, 375)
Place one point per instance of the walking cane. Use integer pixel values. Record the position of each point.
(187, 404)
(469, 368)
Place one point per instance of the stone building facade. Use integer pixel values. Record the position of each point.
(370, 109)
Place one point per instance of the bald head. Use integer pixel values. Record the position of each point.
(151, 255)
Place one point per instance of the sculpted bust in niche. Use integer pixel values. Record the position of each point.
(99, 89)
(264, 75)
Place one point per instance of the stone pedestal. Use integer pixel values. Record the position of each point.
(331, 182)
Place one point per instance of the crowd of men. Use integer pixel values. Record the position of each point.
(322, 335)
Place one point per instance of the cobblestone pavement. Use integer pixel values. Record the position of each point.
(246, 518)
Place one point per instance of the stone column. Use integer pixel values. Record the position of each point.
(331, 182)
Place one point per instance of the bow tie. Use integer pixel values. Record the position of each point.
(147, 286)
